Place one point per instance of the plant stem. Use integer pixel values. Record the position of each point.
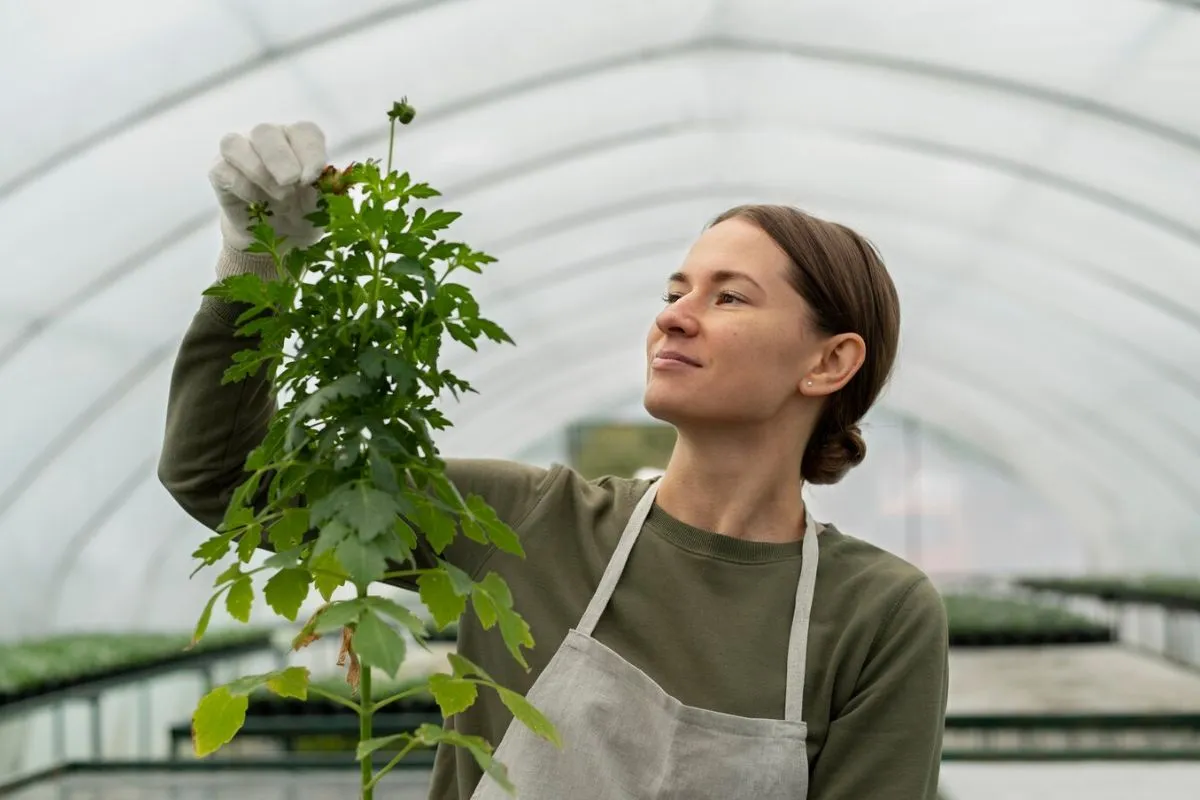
(364, 720)
(396, 759)
(391, 145)
(350, 704)
(400, 696)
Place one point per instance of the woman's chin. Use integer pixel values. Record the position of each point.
(672, 407)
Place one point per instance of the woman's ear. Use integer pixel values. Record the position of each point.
(841, 358)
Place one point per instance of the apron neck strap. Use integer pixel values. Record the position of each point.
(616, 564)
(798, 642)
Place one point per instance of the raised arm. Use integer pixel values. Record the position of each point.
(211, 428)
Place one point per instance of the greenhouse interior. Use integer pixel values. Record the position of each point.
(1028, 172)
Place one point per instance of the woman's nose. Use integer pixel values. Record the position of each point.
(679, 318)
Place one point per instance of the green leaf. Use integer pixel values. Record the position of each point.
(370, 511)
(338, 615)
(362, 507)
(250, 542)
(437, 527)
(311, 407)
(493, 601)
(368, 746)
(463, 667)
(485, 609)
(205, 618)
(500, 533)
(246, 288)
(240, 598)
(363, 561)
(493, 331)
(391, 548)
(287, 682)
(473, 530)
(423, 191)
(289, 531)
(383, 473)
(328, 573)
(373, 214)
(236, 518)
(230, 573)
(399, 613)
(378, 644)
(461, 580)
(290, 682)
(461, 335)
(439, 596)
(453, 695)
(332, 534)
(478, 747)
(406, 265)
(287, 590)
(516, 634)
(533, 719)
(495, 586)
(408, 537)
(214, 548)
(285, 558)
(248, 683)
(218, 717)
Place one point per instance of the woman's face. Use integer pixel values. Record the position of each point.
(733, 343)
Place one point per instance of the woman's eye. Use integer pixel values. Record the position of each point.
(728, 297)
(670, 297)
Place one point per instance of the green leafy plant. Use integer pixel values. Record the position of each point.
(348, 473)
(32, 666)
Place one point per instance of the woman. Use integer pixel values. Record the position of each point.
(687, 644)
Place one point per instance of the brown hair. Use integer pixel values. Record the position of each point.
(842, 278)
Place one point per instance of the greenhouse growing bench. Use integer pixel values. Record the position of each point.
(286, 730)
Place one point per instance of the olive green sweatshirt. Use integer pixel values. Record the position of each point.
(707, 616)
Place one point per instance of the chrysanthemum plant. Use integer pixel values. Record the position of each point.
(348, 478)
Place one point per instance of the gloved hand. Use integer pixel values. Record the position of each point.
(276, 164)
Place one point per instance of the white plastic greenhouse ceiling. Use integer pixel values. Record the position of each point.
(1030, 172)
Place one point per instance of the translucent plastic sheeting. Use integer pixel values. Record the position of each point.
(1030, 171)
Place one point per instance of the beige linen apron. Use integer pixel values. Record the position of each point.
(624, 738)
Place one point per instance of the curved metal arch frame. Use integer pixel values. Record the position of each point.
(520, 87)
(81, 424)
(360, 25)
(144, 471)
(268, 57)
(37, 326)
(1100, 496)
(323, 37)
(549, 161)
(1080, 417)
(114, 274)
(171, 545)
(559, 272)
(85, 534)
(611, 260)
(120, 497)
(496, 178)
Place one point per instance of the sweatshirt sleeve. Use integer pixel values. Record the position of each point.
(211, 429)
(886, 742)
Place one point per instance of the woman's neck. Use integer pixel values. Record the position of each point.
(743, 484)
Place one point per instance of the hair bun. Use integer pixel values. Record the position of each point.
(828, 458)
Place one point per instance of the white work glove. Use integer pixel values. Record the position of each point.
(277, 165)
